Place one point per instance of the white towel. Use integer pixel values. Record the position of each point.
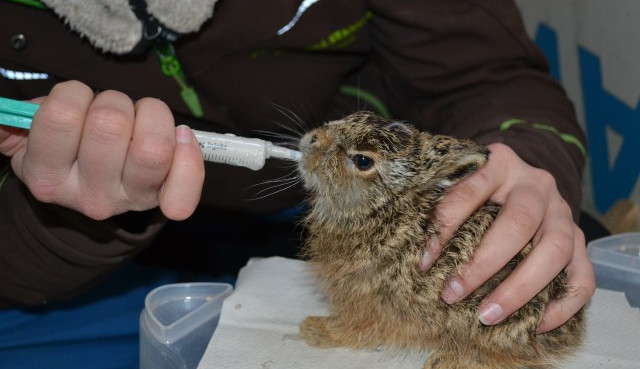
(259, 326)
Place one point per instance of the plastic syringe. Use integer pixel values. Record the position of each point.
(220, 148)
(241, 151)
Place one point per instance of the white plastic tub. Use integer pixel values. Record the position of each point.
(616, 261)
(177, 323)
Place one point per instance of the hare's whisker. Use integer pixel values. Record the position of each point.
(283, 179)
(293, 117)
(279, 187)
(285, 139)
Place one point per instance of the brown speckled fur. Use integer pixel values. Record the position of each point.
(367, 230)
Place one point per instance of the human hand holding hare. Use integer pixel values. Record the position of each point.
(532, 210)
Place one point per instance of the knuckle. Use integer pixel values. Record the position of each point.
(95, 208)
(109, 122)
(75, 86)
(154, 151)
(44, 187)
(579, 235)
(585, 289)
(565, 209)
(93, 212)
(115, 95)
(499, 148)
(590, 288)
(562, 247)
(589, 284)
(96, 214)
(544, 178)
(152, 103)
(523, 218)
(501, 153)
(42, 192)
(463, 191)
(62, 116)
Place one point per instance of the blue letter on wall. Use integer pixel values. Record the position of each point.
(547, 42)
(603, 110)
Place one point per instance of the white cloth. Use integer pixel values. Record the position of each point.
(259, 326)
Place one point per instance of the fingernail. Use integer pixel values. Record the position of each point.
(183, 134)
(453, 292)
(491, 314)
(426, 261)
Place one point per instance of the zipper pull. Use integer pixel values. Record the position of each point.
(171, 68)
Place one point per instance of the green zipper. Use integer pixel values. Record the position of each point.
(171, 68)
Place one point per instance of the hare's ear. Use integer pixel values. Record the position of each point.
(403, 133)
(400, 128)
(459, 159)
(465, 164)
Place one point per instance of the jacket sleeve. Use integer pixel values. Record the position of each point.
(48, 253)
(468, 68)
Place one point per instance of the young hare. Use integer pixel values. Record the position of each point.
(373, 188)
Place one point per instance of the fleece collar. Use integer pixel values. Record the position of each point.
(112, 25)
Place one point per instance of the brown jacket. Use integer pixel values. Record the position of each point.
(450, 66)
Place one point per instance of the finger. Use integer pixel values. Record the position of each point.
(181, 191)
(103, 150)
(12, 140)
(515, 225)
(150, 153)
(582, 285)
(54, 139)
(547, 259)
(456, 207)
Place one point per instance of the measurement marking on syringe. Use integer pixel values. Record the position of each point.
(225, 157)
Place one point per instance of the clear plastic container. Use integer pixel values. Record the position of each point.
(616, 262)
(177, 323)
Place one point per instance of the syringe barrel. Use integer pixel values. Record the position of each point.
(233, 150)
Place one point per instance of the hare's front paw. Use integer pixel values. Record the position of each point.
(316, 331)
(444, 359)
(437, 361)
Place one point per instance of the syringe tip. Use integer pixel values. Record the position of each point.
(296, 155)
(283, 153)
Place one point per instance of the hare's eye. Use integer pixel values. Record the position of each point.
(362, 162)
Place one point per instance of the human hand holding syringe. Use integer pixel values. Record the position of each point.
(220, 148)
(103, 154)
